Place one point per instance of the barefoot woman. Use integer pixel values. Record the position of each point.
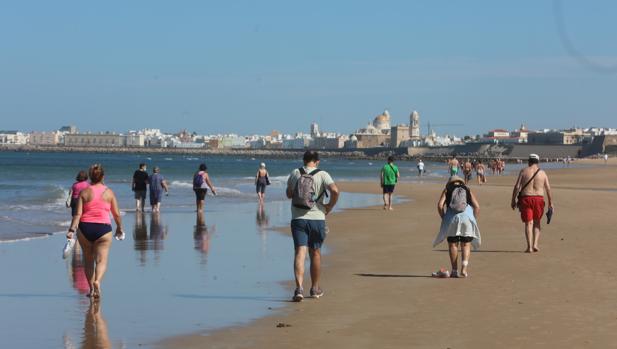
(93, 208)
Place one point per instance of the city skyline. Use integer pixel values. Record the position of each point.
(250, 68)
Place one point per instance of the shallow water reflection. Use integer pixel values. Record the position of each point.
(201, 236)
(78, 271)
(151, 242)
(96, 333)
(262, 219)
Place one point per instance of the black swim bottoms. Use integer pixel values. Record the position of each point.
(93, 231)
(200, 194)
(464, 239)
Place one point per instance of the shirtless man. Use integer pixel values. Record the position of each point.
(528, 196)
(467, 168)
(453, 166)
(480, 172)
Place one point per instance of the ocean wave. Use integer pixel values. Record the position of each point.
(32, 236)
(181, 184)
(220, 191)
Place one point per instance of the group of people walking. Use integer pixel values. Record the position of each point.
(155, 181)
(307, 187)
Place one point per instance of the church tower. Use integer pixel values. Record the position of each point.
(414, 126)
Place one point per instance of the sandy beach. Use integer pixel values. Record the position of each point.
(378, 292)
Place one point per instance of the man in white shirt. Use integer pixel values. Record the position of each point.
(307, 187)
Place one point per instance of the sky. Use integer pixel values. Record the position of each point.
(250, 67)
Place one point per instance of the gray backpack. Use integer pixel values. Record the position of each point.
(458, 200)
(304, 193)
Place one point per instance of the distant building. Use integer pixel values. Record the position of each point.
(506, 137)
(68, 129)
(329, 142)
(13, 137)
(399, 135)
(232, 141)
(44, 138)
(574, 136)
(135, 140)
(296, 143)
(522, 134)
(314, 130)
(94, 140)
(414, 126)
(375, 134)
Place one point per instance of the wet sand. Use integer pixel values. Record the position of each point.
(378, 293)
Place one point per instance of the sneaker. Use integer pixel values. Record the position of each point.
(298, 296)
(316, 293)
(442, 273)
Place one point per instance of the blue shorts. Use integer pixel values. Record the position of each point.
(308, 232)
(155, 197)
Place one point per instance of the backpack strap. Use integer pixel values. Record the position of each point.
(312, 173)
(302, 172)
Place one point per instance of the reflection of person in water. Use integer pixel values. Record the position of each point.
(96, 334)
(158, 232)
(262, 218)
(140, 236)
(201, 235)
(78, 272)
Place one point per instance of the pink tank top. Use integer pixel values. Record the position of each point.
(96, 210)
(78, 187)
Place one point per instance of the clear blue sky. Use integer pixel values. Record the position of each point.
(254, 66)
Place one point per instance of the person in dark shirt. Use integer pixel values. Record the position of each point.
(139, 186)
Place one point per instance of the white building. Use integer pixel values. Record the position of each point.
(414, 126)
(13, 137)
(45, 138)
(94, 140)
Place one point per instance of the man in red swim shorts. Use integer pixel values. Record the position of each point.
(528, 195)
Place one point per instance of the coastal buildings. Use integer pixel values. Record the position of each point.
(571, 136)
(94, 140)
(399, 135)
(45, 138)
(375, 134)
(414, 126)
(13, 137)
(501, 136)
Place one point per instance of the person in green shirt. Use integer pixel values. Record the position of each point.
(389, 177)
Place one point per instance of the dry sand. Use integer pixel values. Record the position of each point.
(378, 293)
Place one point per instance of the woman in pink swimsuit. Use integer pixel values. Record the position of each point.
(93, 208)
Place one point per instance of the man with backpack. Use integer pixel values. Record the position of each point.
(201, 182)
(307, 188)
(528, 195)
(389, 177)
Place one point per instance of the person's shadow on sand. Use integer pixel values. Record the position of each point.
(375, 275)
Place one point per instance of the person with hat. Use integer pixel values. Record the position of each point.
(458, 208)
(261, 181)
(528, 195)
